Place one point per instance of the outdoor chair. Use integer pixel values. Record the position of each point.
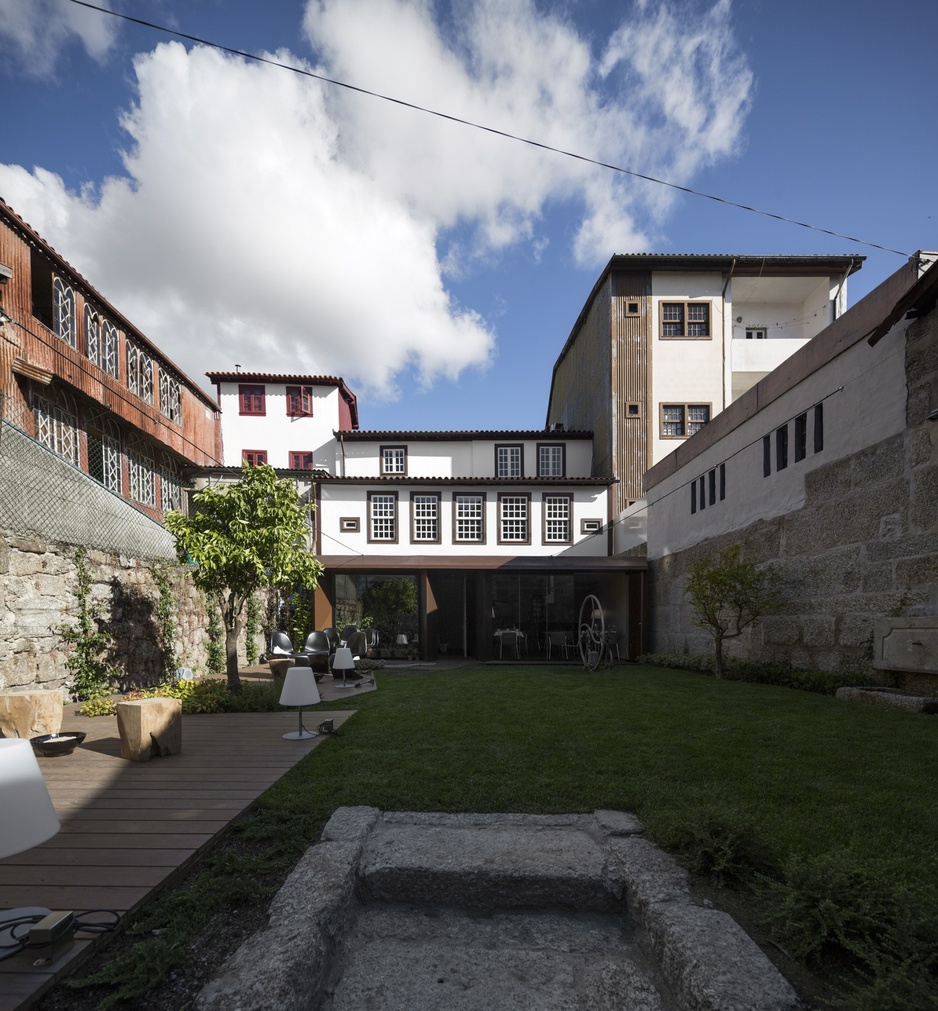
(316, 651)
(280, 645)
(332, 634)
(348, 631)
(356, 643)
(371, 637)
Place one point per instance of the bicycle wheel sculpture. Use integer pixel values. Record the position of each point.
(592, 637)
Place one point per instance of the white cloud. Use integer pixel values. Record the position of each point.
(33, 33)
(271, 220)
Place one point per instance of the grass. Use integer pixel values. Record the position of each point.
(750, 782)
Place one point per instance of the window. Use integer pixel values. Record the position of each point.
(550, 461)
(590, 526)
(801, 437)
(169, 397)
(469, 519)
(680, 420)
(382, 516)
(425, 513)
(350, 524)
(508, 460)
(300, 460)
(254, 457)
(781, 447)
(170, 485)
(693, 497)
(632, 308)
(63, 299)
(104, 456)
(633, 410)
(685, 319)
(712, 486)
(252, 400)
(140, 472)
(57, 424)
(766, 456)
(722, 481)
(818, 427)
(139, 373)
(757, 335)
(299, 401)
(557, 519)
(101, 342)
(393, 459)
(513, 519)
(701, 492)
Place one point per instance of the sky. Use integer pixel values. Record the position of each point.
(240, 213)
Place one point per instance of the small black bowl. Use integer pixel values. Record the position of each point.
(51, 745)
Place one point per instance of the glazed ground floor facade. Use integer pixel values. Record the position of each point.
(428, 608)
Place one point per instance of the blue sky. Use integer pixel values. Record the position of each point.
(243, 214)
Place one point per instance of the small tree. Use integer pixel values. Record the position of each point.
(727, 596)
(243, 537)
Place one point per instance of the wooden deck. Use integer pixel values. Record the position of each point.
(129, 828)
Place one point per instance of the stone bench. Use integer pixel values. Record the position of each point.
(30, 714)
(149, 728)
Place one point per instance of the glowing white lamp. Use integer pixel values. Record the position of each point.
(299, 689)
(343, 661)
(28, 817)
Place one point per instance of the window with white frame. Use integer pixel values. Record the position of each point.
(139, 372)
(425, 510)
(92, 335)
(104, 455)
(141, 476)
(556, 519)
(688, 320)
(170, 405)
(56, 420)
(63, 301)
(469, 519)
(170, 485)
(382, 516)
(393, 459)
(680, 420)
(550, 460)
(513, 513)
(508, 461)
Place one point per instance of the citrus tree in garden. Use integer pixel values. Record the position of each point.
(241, 538)
(727, 595)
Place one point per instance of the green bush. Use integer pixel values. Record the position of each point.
(782, 674)
(210, 695)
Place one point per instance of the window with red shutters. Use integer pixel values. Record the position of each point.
(300, 460)
(299, 401)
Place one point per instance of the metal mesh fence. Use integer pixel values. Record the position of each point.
(43, 493)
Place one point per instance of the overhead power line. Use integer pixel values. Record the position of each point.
(486, 129)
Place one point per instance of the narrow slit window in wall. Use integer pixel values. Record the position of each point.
(818, 428)
(722, 481)
(781, 447)
(703, 498)
(801, 437)
(766, 456)
(693, 497)
(712, 481)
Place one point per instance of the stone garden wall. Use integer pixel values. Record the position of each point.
(863, 546)
(38, 587)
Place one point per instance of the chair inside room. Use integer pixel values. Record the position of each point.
(510, 638)
(612, 643)
(558, 641)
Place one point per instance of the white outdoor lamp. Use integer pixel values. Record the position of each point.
(299, 689)
(28, 820)
(344, 661)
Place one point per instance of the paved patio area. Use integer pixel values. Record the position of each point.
(129, 829)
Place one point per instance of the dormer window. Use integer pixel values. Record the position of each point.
(393, 460)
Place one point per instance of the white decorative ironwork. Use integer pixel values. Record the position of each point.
(64, 309)
(57, 424)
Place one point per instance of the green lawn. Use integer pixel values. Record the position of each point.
(828, 808)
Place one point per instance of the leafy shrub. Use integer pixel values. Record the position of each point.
(720, 845)
(210, 695)
(782, 674)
